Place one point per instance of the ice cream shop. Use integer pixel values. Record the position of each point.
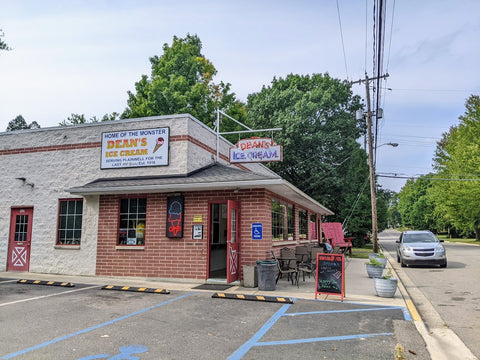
(163, 197)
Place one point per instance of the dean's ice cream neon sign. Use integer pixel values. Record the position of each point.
(255, 150)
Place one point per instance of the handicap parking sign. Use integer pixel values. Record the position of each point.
(257, 231)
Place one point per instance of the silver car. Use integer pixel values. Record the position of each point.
(420, 248)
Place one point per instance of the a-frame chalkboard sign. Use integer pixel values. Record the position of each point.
(330, 277)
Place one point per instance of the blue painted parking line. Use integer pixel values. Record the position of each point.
(54, 341)
(319, 339)
(255, 340)
(242, 350)
(406, 314)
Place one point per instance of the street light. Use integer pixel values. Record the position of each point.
(373, 193)
(389, 143)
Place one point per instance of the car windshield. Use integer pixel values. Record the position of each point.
(419, 238)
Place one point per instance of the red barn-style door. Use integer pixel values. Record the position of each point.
(233, 240)
(18, 256)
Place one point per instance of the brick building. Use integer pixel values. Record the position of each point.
(143, 197)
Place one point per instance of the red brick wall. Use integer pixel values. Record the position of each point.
(179, 258)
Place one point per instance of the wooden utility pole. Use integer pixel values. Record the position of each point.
(373, 195)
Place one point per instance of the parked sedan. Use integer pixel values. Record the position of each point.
(420, 248)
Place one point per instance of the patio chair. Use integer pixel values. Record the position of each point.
(288, 267)
(304, 260)
(334, 233)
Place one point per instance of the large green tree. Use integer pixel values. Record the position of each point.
(457, 162)
(416, 207)
(19, 123)
(181, 81)
(321, 155)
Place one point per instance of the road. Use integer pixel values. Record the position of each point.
(454, 292)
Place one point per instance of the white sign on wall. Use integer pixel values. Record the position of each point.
(135, 148)
(255, 150)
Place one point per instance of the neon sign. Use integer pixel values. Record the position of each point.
(255, 149)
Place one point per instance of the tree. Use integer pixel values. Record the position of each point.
(3, 44)
(19, 123)
(77, 119)
(181, 81)
(416, 206)
(320, 153)
(456, 160)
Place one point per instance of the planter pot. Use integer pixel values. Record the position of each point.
(385, 287)
(374, 271)
(383, 260)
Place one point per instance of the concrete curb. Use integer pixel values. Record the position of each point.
(276, 299)
(43, 282)
(135, 289)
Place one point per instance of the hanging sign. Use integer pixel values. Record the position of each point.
(330, 274)
(135, 148)
(255, 149)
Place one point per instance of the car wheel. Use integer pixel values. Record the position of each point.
(402, 263)
(398, 258)
(444, 265)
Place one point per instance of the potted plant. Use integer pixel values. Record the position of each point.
(380, 257)
(374, 268)
(386, 286)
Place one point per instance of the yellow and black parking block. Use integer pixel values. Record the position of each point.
(277, 299)
(136, 289)
(44, 282)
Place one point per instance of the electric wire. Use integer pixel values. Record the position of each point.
(343, 44)
(345, 221)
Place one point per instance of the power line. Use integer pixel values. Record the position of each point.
(425, 178)
(343, 45)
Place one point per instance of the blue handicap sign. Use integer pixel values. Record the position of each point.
(257, 231)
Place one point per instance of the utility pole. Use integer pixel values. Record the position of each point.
(373, 195)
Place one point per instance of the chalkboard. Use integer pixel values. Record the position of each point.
(330, 274)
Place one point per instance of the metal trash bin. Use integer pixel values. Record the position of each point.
(266, 269)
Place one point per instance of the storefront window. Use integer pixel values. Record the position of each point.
(313, 227)
(302, 224)
(70, 222)
(133, 213)
(291, 221)
(283, 221)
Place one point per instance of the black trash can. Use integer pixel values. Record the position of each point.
(267, 270)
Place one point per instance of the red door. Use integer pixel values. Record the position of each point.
(18, 256)
(233, 240)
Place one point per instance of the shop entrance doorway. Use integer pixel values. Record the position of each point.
(18, 255)
(224, 241)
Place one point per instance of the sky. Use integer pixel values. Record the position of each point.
(83, 56)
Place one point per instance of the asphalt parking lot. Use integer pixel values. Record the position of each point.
(86, 322)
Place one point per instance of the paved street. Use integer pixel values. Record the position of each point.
(451, 292)
(85, 322)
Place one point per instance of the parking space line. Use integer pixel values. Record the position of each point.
(405, 314)
(319, 339)
(242, 350)
(80, 332)
(7, 281)
(255, 339)
(49, 295)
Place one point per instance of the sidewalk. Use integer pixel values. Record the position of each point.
(358, 286)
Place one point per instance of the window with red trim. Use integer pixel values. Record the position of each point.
(70, 221)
